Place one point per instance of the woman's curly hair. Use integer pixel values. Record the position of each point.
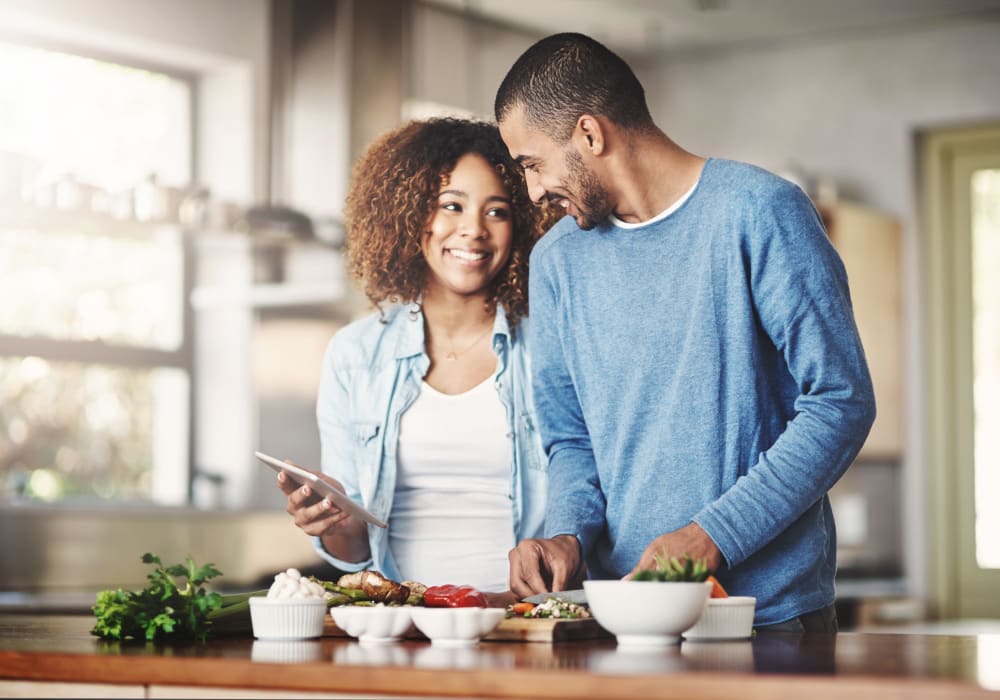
(394, 190)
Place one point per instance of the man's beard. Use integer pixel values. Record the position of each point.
(595, 202)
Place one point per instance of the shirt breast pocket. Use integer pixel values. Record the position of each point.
(364, 433)
(365, 445)
(531, 453)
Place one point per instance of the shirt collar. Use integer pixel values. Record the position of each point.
(407, 322)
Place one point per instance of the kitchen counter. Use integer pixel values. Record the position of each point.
(44, 652)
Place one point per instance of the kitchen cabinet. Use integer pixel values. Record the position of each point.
(869, 244)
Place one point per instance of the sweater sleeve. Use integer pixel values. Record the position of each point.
(575, 504)
(800, 292)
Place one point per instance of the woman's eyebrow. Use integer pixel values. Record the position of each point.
(463, 193)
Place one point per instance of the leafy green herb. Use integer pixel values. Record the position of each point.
(673, 569)
(164, 608)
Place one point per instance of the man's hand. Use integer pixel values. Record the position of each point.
(690, 540)
(544, 565)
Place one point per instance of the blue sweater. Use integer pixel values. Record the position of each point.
(704, 366)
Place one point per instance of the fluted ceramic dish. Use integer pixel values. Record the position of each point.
(373, 624)
(456, 627)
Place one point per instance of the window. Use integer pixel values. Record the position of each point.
(95, 358)
(961, 192)
(985, 205)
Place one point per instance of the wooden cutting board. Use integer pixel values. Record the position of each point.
(519, 629)
(524, 629)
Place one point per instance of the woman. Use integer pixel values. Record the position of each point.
(424, 406)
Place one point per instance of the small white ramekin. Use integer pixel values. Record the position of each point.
(725, 618)
(287, 618)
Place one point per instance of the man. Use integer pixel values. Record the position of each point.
(699, 380)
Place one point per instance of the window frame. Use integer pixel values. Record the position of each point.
(98, 352)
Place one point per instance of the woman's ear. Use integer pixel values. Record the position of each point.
(589, 135)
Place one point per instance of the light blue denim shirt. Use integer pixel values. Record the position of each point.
(371, 374)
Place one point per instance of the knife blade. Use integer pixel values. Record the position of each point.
(578, 596)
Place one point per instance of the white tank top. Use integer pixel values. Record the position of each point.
(452, 519)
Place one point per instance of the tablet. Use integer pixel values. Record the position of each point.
(321, 487)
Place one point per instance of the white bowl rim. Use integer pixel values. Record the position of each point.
(732, 601)
(603, 581)
(262, 600)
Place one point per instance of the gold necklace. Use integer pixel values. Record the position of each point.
(452, 355)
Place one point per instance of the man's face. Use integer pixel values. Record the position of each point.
(556, 172)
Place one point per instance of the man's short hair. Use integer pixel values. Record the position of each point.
(566, 75)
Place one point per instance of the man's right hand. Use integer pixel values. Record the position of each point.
(545, 565)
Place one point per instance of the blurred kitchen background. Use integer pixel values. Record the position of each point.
(171, 181)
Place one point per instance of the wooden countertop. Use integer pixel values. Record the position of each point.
(848, 665)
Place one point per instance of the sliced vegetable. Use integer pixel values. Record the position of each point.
(383, 590)
(521, 609)
(454, 597)
(717, 590)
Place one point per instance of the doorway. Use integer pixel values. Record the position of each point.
(961, 196)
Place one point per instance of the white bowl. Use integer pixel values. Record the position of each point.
(373, 624)
(287, 618)
(725, 618)
(646, 613)
(457, 626)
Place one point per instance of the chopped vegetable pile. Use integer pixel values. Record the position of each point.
(553, 607)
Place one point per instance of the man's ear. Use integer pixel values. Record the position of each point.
(589, 135)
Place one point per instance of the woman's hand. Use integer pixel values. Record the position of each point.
(344, 536)
(313, 514)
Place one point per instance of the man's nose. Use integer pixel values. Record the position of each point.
(535, 189)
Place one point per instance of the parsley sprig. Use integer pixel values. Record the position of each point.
(163, 608)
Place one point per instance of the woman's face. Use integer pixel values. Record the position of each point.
(470, 232)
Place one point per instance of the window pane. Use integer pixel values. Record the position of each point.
(986, 359)
(72, 431)
(81, 142)
(106, 124)
(76, 286)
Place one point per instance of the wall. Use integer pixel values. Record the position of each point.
(461, 74)
(848, 108)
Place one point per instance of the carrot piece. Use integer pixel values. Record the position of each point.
(717, 590)
(522, 608)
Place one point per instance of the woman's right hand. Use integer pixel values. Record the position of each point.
(313, 514)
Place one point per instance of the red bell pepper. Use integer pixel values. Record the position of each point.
(448, 596)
